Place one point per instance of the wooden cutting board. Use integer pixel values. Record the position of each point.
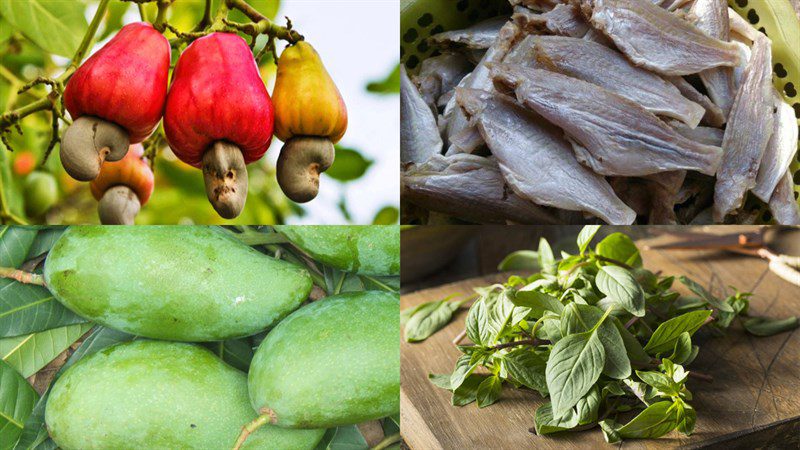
(754, 400)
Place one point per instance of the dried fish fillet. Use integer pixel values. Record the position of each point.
(479, 36)
(523, 54)
(563, 20)
(470, 187)
(703, 135)
(738, 71)
(537, 162)
(783, 203)
(621, 137)
(538, 5)
(419, 135)
(714, 115)
(607, 68)
(439, 75)
(742, 27)
(780, 150)
(461, 135)
(712, 18)
(654, 38)
(748, 132)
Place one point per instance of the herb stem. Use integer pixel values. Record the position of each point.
(533, 342)
(613, 261)
(459, 337)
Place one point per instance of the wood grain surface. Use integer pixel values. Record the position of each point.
(753, 402)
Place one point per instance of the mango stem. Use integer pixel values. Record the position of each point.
(22, 276)
(252, 427)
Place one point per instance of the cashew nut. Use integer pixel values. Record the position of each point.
(118, 206)
(88, 142)
(301, 161)
(225, 175)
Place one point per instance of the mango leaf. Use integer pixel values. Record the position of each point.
(14, 244)
(17, 399)
(54, 25)
(663, 339)
(45, 240)
(389, 85)
(574, 366)
(620, 286)
(26, 309)
(236, 352)
(28, 354)
(348, 438)
(388, 215)
(765, 326)
(348, 165)
(326, 440)
(619, 247)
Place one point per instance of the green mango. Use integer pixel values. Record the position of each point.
(366, 250)
(175, 283)
(333, 362)
(158, 395)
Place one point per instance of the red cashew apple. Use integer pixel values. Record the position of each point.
(123, 187)
(115, 98)
(219, 116)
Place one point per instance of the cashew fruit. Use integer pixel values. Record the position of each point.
(158, 395)
(169, 282)
(123, 187)
(333, 362)
(219, 116)
(41, 193)
(116, 98)
(366, 250)
(310, 116)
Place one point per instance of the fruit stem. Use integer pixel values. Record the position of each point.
(387, 441)
(271, 29)
(22, 276)
(250, 428)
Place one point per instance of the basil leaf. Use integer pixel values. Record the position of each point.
(538, 302)
(477, 325)
(683, 348)
(520, 260)
(468, 391)
(546, 258)
(764, 326)
(545, 423)
(632, 346)
(660, 382)
(663, 339)
(687, 417)
(609, 428)
(429, 319)
(489, 391)
(440, 380)
(655, 421)
(619, 285)
(527, 368)
(705, 295)
(588, 406)
(464, 367)
(574, 366)
(581, 318)
(619, 247)
(585, 236)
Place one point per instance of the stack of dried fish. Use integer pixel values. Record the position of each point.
(623, 111)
